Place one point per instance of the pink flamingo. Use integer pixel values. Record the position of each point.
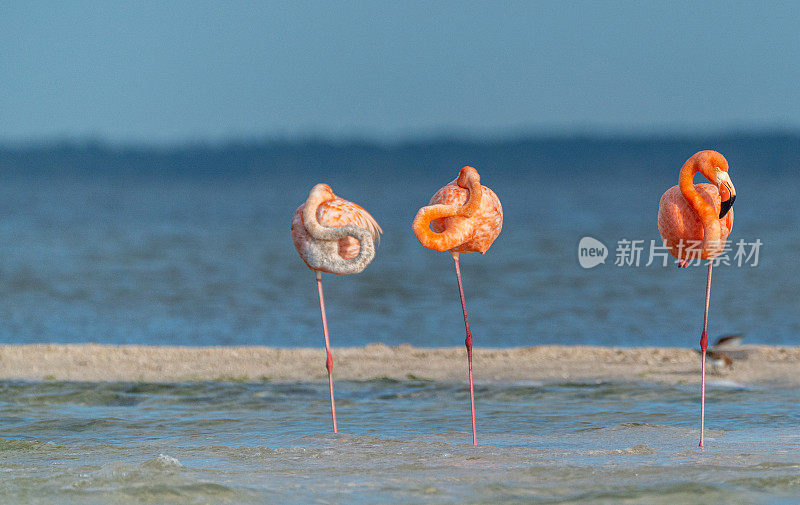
(465, 217)
(336, 236)
(699, 214)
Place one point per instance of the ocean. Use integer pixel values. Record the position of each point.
(190, 246)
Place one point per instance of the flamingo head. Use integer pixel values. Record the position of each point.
(468, 175)
(322, 191)
(727, 191)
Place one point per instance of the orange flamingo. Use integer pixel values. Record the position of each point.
(695, 221)
(463, 216)
(336, 236)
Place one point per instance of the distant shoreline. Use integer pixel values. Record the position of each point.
(505, 139)
(752, 364)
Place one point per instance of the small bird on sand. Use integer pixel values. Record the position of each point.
(729, 340)
(720, 362)
(336, 236)
(463, 216)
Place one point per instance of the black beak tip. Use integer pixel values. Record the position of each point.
(726, 206)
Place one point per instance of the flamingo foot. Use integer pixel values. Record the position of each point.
(703, 347)
(329, 367)
(468, 344)
(703, 399)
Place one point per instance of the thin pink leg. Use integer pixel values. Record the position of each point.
(329, 361)
(704, 347)
(468, 343)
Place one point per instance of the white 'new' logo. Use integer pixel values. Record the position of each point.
(591, 252)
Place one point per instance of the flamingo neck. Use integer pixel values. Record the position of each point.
(451, 237)
(705, 163)
(315, 199)
(470, 179)
(322, 251)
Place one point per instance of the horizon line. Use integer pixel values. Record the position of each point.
(397, 141)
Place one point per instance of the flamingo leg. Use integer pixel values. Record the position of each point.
(329, 360)
(704, 347)
(468, 343)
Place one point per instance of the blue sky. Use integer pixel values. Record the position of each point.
(155, 71)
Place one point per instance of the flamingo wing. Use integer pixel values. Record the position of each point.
(341, 212)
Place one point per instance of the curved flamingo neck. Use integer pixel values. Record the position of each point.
(316, 197)
(451, 237)
(705, 162)
(469, 179)
(321, 253)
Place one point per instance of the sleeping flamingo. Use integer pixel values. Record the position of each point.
(336, 236)
(699, 215)
(464, 217)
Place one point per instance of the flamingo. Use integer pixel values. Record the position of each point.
(699, 214)
(336, 236)
(464, 217)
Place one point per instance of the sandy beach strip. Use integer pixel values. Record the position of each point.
(778, 366)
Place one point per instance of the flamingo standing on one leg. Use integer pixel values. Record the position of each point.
(336, 236)
(465, 217)
(700, 214)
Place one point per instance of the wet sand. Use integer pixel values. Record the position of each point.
(91, 362)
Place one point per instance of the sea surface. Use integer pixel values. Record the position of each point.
(399, 442)
(190, 245)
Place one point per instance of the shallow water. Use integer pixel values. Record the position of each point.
(400, 442)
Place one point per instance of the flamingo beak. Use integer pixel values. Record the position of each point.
(728, 194)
